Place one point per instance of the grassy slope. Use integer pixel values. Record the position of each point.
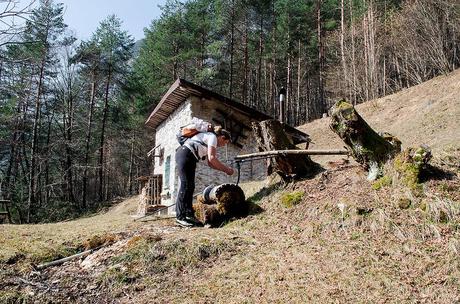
(370, 251)
(46, 241)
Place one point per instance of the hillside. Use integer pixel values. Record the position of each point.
(343, 241)
(428, 113)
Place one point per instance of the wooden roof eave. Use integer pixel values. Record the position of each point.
(159, 106)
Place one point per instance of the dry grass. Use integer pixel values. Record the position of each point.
(43, 242)
(343, 243)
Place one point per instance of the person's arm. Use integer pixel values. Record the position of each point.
(214, 163)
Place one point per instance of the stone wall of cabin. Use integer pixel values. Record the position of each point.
(166, 139)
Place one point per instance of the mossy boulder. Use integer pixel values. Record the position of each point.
(220, 203)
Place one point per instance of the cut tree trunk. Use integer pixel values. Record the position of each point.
(366, 146)
(270, 136)
(220, 203)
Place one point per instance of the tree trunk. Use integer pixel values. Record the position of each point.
(33, 152)
(270, 136)
(246, 99)
(232, 42)
(88, 139)
(320, 105)
(131, 164)
(367, 147)
(342, 47)
(47, 157)
(353, 59)
(102, 142)
(68, 124)
(258, 97)
(299, 79)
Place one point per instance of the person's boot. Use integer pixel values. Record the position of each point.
(184, 223)
(193, 220)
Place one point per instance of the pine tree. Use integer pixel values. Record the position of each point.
(42, 34)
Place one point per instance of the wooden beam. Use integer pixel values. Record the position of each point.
(231, 117)
(292, 152)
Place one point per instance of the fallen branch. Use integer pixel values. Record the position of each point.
(66, 259)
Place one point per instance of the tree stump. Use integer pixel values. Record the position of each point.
(220, 203)
(366, 146)
(207, 214)
(270, 136)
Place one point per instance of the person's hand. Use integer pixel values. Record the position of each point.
(229, 171)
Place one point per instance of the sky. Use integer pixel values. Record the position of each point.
(84, 16)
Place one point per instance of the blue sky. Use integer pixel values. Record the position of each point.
(84, 16)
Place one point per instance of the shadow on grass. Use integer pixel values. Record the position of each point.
(431, 172)
(265, 191)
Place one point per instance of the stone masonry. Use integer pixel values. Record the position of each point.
(205, 109)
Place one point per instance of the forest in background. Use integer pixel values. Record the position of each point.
(72, 112)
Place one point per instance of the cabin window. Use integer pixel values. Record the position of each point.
(167, 172)
(161, 155)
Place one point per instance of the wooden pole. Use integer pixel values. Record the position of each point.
(292, 152)
(66, 259)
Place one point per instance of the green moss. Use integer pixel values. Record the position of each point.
(382, 182)
(355, 235)
(409, 170)
(116, 277)
(289, 200)
(343, 105)
(424, 205)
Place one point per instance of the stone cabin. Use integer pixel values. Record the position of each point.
(185, 100)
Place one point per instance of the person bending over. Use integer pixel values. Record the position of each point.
(199, 147)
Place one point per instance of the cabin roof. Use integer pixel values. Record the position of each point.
(181, 89)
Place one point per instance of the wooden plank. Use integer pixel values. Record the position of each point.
(296, 152)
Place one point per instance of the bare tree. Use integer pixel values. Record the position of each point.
(13, 16)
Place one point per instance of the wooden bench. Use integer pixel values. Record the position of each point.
(5, 216)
